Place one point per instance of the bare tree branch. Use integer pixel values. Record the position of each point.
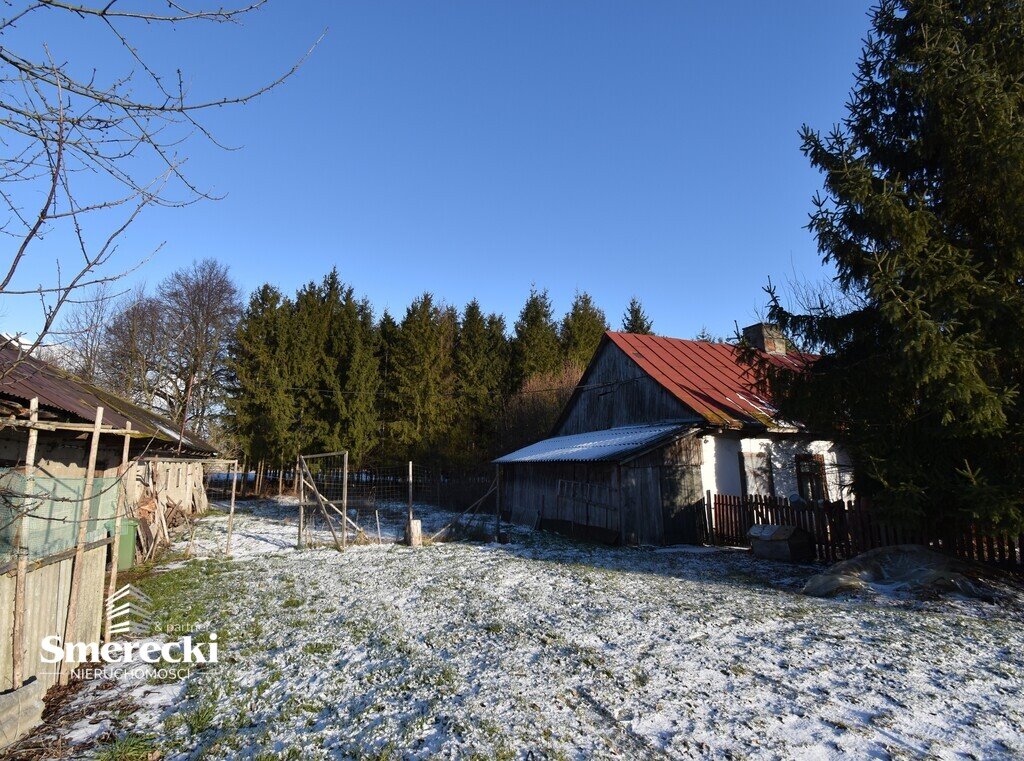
(96, 148)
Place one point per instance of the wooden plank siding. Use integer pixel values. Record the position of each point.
(46, 593)
(616, 392)
(650, 490)
(529, 491)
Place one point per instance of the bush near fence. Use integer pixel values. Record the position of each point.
(844, 529)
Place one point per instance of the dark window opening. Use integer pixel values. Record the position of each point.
(756, 476)
(810, 477)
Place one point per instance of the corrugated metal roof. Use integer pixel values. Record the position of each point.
(611, 445)
(707, 377)
(58, 390)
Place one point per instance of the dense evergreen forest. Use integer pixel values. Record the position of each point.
(449, 388)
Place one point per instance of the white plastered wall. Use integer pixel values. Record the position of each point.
(720, 471)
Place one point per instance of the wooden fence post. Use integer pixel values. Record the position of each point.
(30, 469)
(302, 505)
(497, 502)
(231, 511)
(83, 530)
(115, 548)
(410, 491)
(18, 630)
(344, 497)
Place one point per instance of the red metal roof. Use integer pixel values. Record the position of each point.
(707, 377)
(58, 390)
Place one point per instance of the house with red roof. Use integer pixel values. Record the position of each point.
(654, 426)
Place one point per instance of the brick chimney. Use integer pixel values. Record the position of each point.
(765, 337)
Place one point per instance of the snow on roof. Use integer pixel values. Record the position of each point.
(614, 444)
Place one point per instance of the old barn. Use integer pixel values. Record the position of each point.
(656, 424)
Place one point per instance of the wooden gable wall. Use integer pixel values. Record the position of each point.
(614, 391)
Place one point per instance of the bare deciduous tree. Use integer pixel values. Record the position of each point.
(135, 343)
(83, 152)
(168, 351)
(201, 306)
(81, 338)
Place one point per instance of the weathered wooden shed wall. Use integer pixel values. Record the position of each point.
(651, 494)
(528, 490)
(616, 392)
(60, 454)
(676, 469)
(64, 455)
(46, 609)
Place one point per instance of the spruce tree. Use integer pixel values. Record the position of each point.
(336, 369)
(922, 216)
(352, 347)
(387, 349)
(424, 380)
(581, 330)
(479, 384)
(635, 320)
(260, 406)
(535, 347)
(706, 335)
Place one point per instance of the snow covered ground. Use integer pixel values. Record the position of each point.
(278, 533)
(550, 649)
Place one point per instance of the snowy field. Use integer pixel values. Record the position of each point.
(277, 530)
(542, 648)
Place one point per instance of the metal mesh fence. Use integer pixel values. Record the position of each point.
(217, 478)
(42, 513)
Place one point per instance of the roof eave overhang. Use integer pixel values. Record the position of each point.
(654, 445)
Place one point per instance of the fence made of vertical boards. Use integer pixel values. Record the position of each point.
(843, 529)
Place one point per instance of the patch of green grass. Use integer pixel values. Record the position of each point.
(292, 602)
(127, 748)
(174, 721)
(201, 718)
(183, 595)
(318, 648)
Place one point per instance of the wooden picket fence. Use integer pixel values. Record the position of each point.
(843, 529)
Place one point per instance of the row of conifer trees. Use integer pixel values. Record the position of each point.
(449, 388)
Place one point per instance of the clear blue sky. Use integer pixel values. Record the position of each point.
(473, 148)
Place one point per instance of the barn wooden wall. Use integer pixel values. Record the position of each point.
(633, 398)
(64, 455)
(528, 489)
(675, 469)
(659, 484)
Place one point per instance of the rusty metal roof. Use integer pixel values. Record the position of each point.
(707, 377)
(60, 391)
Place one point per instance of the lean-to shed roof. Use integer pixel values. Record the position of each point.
(610, 445)
(63, 394)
